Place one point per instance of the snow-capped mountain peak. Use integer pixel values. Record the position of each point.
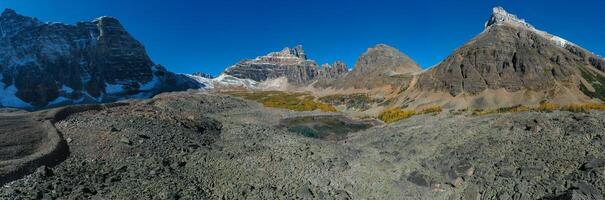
(501, 17)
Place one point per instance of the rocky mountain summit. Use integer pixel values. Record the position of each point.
(511, 54)
(51, 64)
(290, 63)
(379, 66)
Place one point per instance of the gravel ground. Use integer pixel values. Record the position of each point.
(208, 146)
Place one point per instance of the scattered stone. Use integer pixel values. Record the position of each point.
(458, 182)
(305, 193)
(464, 169)
(471, 193)
(585, 192)
(419, 179)
(463, 166)
(342, 195)
(592, 164)
(125, 141)
(349, 187)
(44, 171)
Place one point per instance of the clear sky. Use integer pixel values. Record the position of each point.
(202, 35)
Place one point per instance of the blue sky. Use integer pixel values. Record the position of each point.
(188, 35)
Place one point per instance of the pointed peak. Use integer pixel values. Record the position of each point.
(339, 62)
(299, 47)
(299, 51)
(382, 46)
(295, 53)
(285, 50)
(501, 16)
(9, 12)
(106, 20)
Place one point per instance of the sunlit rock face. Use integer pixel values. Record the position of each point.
(511, 54)
(48, 64)
(335, 70)
(290, 63)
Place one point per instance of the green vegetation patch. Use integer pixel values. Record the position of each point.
(397, 114)
(596, 81)
(286, 100)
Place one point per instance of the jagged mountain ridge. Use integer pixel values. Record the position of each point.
(378, 67)
(290, 63)
(511, 54)
(50, 64)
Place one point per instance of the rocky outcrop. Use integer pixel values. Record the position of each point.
(202, 74)
(335, 70)
(378, 67)
(511, 54)
(49, 64)
(290, 63)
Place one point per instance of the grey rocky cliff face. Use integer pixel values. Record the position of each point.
(87, 62)
(509, 54)
(335, 70)
(379, 66)
(292, 64)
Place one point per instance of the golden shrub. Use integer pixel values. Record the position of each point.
(397, 114)
(431, 109)
(545, 106)
(285, 100)
(583, 107)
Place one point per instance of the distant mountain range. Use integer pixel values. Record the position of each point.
(509, 63)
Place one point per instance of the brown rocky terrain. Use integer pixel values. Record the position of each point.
(513, 57)
(208, 146)
(380, 66)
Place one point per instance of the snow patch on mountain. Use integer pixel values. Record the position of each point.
(59, 101)
(224, 80)
(155, 81)
(228, 80)
(209, 83)
(114, 88)
(66, 89)
(8, 97)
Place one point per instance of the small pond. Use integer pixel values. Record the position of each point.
(326, 127)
